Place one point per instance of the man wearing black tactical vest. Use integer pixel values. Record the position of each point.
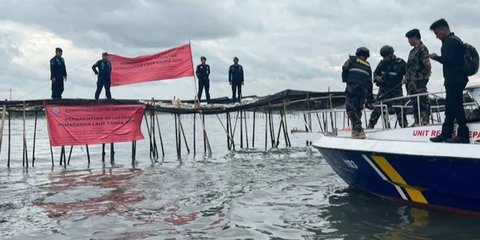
(357, 73)
(388, 76)
(456, 79)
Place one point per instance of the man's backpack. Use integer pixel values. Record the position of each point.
(470, 58)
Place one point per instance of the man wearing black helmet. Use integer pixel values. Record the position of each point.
(357, 73)
(388, 76)
(58, 74)
(416, 77)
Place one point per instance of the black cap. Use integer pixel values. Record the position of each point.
(202, 57)
(105, 54)
(413, 33)
(58, 49)
(235, 58)
(439, 23)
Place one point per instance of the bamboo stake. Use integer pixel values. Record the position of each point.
(4, 111)
(206, 141)
(204, 134)
(227, 130)
(112, 153)
(253, 130)
(246, 128)
(286, 125)
(34, 137)
(177, 137)
(133, 152)
(160, 135)
(266, 130)
(241, 129)
(70, 154)
(184, 137)
(149, 135)
(194, 134)
(152, 121)
(62, 157)
(279, 130)
(25, 152)
(88, 155)
(232, 133)
(103, 153)
(9, 138)
(48, 129)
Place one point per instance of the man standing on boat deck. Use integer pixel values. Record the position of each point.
(416, 79)
(357, 73)
(104, 71)
(388, 76)
(455, 81)
(58, 74)
(235, 78)
(203, 72)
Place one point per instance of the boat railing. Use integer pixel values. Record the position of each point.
(331, 119)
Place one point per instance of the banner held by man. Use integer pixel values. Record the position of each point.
(169, 64)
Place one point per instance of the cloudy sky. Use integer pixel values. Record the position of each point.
(282, 44)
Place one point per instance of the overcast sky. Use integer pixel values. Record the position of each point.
(281, 44)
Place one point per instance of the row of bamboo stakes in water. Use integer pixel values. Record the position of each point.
(153, 128)
(154, 132)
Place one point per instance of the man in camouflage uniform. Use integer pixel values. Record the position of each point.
(388, 76)
(356, 72)
(417, 75)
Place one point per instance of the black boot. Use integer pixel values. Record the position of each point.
(462, 136)
(439, 138)
(457, 139)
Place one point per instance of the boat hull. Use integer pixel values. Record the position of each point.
(446, 182)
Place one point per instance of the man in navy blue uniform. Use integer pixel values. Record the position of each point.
(455, 81)
(104, 71)
(235, 78)
(203, 72)
(58, 74)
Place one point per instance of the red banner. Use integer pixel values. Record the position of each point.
(170, 64)
(81, 125)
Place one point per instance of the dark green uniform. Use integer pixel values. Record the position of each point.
(392, 73)
(357, 73)
(417, 78)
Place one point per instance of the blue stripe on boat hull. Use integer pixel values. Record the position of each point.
(444, 182)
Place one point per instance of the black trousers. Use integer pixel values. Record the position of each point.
(100, 85)
(236, 87)
(204, 83)
(57, 89)
(454, 111)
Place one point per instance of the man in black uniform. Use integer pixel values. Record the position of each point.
(235, 78)
(356, 72)
(58, 74)
(104, 71)
(203, 71)
(455, 81)
(388, 76)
